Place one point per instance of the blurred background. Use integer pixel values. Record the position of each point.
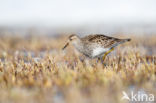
(34, 69)
(54, 17)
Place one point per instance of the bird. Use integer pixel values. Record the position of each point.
(94, 45)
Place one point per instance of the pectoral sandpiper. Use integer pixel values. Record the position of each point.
(94, 46)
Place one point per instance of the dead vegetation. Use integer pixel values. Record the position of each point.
(35, 70)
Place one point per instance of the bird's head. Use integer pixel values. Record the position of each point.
(71, 39)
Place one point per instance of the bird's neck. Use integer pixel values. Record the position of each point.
(77, 44)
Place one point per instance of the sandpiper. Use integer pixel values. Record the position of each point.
(94, 46)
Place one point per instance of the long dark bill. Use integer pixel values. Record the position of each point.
(65, 46)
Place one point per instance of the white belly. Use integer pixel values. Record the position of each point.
(99, 51)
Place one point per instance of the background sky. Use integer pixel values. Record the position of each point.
(56, 12)
(76, 12)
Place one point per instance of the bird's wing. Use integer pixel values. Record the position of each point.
(102, 40)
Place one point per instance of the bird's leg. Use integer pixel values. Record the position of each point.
(107, 53)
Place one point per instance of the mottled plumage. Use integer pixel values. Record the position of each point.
(94, 45)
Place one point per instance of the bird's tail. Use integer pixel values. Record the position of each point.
(125, 40)
(121, 41)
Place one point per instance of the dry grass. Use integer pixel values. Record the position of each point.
(35, 70)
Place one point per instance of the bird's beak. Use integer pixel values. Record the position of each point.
(65, 45)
